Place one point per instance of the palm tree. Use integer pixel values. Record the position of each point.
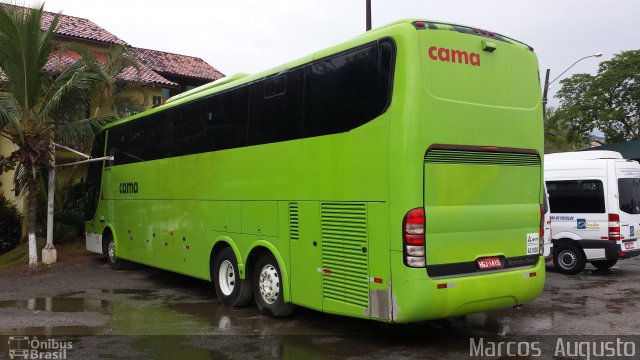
(110, 66)
(32, 102)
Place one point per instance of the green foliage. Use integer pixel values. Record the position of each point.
(559, 136)
(33, 101)
(10, 225)
(609, 101)
(68, 213)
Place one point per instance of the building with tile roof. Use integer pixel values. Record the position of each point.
(174, 72)
(160, 75)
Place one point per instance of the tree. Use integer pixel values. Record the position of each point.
(109, 66)
(609, 101)
(32, 102)
(559, 136)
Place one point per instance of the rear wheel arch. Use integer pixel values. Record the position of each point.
(222, 243)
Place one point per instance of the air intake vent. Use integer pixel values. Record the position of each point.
(344, 253)
(294, 225)
(445, 156)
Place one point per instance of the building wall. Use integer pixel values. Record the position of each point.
(6, 178)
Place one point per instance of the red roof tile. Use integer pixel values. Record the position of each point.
(80, 28)
(58, 61)
(175, 64)
(153, 63)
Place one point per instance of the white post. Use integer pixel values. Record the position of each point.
(49, 254)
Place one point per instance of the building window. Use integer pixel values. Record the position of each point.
(157, 101)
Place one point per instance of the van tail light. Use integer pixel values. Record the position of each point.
(614, 227)
(413, 230)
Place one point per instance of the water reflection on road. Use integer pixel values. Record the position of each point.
(171, 316)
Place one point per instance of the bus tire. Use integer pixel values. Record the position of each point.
(112, 259)
(267, 288)
(568, 259)
(230, 289)
(604, 264)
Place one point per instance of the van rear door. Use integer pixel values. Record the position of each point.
(628, 202)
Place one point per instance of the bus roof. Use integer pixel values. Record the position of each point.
(243, 78)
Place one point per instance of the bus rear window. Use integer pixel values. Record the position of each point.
(629, 191)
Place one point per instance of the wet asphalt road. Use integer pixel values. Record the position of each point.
(148, 313)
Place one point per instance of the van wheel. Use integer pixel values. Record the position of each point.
(568, 259)
(267, 288)
(112, 259)
(604, 264)
(230, 289)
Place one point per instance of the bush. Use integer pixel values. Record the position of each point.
(10, 225)
(68, 214)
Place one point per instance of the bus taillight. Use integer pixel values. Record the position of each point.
(541, 221)
(614, 227)
(413, 229)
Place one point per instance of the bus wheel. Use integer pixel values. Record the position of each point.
(112, 259)
(568, 259)
(230, 289)
(267, 288)
(604, 264)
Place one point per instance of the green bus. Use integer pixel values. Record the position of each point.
(395, 177)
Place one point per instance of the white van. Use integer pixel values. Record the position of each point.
(547, 229)
(594, 199)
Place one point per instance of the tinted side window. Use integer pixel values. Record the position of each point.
(227, 118)
(160, 133)
(276, 108)
(347, 90)
(576, 196)
(123, 140)
(190, 129)
(629, 193)
(94, 179)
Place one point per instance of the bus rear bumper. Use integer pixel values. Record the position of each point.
(428, 299)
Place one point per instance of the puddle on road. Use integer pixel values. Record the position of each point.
(57, 304)
(178, 310)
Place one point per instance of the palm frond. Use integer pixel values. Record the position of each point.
(21, 179)
(81, 132)
(24, 51)
(75, 82)
(10, 114)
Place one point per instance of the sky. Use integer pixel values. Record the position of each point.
(254, 35)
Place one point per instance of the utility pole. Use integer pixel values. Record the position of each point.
(547, 82)
(368, 15)
(544, 94)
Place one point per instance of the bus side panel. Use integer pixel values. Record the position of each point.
(305, 247)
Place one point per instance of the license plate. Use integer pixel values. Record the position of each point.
(492, 262)
(629, 245)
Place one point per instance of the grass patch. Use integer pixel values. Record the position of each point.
(20, 255)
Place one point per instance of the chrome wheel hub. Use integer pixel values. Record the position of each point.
(269, 284)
